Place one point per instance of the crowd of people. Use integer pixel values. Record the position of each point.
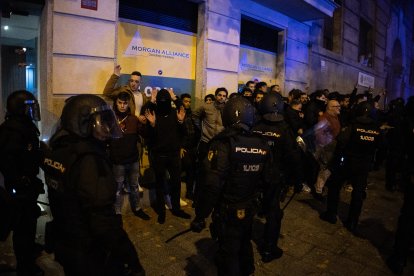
(237, 153)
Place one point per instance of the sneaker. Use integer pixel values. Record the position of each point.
(306, 188)
(183, 203)
(181, 214)
(125, 190)
(140, 189)
(348, 188)
(141, 214)
(268, 256)
(328, 217)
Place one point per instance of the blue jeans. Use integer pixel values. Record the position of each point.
(128, 174)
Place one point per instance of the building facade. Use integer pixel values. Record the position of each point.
(196, 46)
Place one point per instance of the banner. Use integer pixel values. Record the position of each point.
(256, 64)
(164, 58)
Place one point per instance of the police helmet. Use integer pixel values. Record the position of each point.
(364, 109)
(23, 103)
(271, 107)
(238, 111)
(90, 116)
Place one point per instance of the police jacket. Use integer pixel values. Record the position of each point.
(361, 139)
(236, 166)
(286, 155)
(82, 190)
(20, 156)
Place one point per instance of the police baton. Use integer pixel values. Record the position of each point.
(178, 234)
(290, 199)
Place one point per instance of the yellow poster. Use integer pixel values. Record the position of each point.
(156, 52)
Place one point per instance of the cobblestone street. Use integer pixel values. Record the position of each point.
(311, 246)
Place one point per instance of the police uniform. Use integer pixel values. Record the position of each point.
(405, 230)
(235, 166)
(19, 163)
(286, 162)
(355, 149)
(85, 234)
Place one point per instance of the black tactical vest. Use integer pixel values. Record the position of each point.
(57, 165)
(248, 155)
(364, 139)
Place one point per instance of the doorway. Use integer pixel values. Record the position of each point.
(19, 48)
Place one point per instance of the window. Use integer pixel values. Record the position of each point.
(179, 14)
(328, 33)
(366, 43)
(332, 31)
(258, 35)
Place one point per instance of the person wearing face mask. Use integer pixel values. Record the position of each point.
(86, 235)
(166, 130)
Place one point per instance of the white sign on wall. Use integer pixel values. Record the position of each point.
(257, 64)
(366, 80)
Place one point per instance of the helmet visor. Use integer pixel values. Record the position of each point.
(32, 109)
(104, 124)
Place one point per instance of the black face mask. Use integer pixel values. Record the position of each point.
(163, 108)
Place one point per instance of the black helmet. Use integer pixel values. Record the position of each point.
(89, 115)
(24, 103)
(238, 111)
(364, 109)
(271, 107)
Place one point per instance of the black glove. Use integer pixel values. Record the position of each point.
(197, 225)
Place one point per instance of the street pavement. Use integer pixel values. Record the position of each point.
(311, 246)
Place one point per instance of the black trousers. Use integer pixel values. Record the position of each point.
(356, 171)
(274, 216)
(24, 233)
(405, 230)
(235, 254)
(163, 162)
(188, 165)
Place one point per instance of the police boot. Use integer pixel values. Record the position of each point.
(269, 255)
(396, 264)
(352, 226)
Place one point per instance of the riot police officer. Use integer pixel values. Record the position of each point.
(19, 163)
(236, 164)
(356, 146)
(86, 234)
(286, 163)
(405, 231)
